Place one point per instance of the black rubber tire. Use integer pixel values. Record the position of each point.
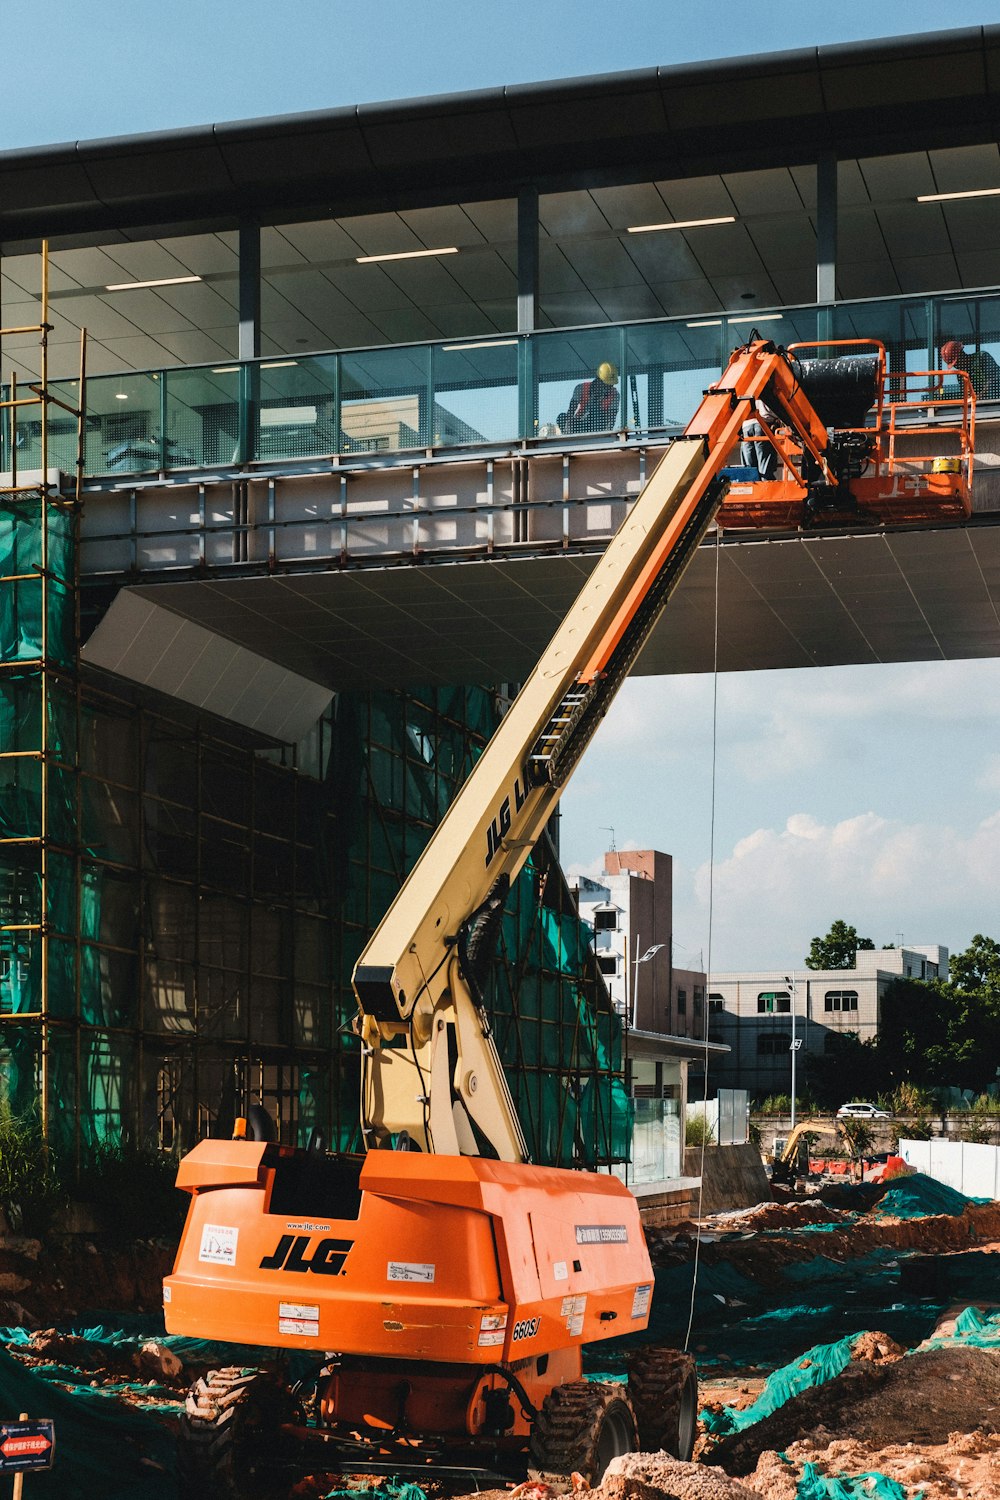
(260, 1126)
(581, 1427)
(663, 1386)
(227, 1435)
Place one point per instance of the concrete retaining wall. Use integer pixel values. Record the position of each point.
(733, 1177)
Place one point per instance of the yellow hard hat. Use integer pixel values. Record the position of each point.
(608, 373)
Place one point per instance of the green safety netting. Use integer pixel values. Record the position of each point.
(973, 1327)
(392, 1489)
(870, 1486)
(744, 1324)
(104, 1450)
(29, 549)
(398, 762)
(195, 934)
(818, 1365)
(918, 1196)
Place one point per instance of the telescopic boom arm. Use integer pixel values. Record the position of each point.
(431, 1074)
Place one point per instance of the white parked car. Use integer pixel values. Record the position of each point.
(860, 1109)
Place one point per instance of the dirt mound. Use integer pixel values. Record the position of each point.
(657, 1476)
(764, 1257)
(966, 1467)
(792, 1215)
(922, 1399)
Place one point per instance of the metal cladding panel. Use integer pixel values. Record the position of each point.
(148, 644)
(770, 88)
(47, 180)
(482, 131)
(180, 173)
(272, 162)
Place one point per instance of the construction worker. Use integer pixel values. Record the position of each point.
(593, 405)
(981, 368)
(755, 451)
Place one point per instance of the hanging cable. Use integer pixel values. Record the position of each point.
(708, 965)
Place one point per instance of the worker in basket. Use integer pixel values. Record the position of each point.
(980, 366)
(593, 405)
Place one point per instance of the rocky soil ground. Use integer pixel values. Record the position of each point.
(929, 1419)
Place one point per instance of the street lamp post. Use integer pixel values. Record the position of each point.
(649, 953)
(796, 1041)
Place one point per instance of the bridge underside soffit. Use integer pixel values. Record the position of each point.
(800, 601)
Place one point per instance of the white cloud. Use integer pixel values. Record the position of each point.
(781, 886)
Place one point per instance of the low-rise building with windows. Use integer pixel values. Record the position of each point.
(630, 910)
(759, 1013)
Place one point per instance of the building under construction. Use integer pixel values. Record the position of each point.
(316, 497)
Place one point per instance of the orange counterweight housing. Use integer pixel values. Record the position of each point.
(404, 1256)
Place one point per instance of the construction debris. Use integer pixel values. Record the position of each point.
(844, 1354)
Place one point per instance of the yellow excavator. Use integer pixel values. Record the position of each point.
(786, 1165)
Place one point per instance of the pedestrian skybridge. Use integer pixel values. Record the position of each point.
(392, 516)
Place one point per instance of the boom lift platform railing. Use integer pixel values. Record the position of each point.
(904, 455)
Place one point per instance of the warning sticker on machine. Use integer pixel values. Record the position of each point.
(573, 1309)
(559, 1271)
(601, 1234)
(405, 1270)
(492, 1321)
(301, 1311)
(640, 1301)
(301, 1326)
(300, 1319)
(218, 1244)
(491, 1338)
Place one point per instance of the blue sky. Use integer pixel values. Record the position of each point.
(871, 794)
(77, 71)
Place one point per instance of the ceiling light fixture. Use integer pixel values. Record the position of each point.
(367, 260)
(483, 344)
(708, 323)
(120, 396)
(760, 318)
(134, 286)
(680, 224)
(281, 364)
(946, 197)
(226, 370)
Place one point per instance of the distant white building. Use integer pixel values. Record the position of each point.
(752, 1012)
(631, 911)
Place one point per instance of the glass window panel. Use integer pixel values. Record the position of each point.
(125, 426)
(572, 396)
(974, 323)
(202, 413)
(297, 408)
(316, 295)
(475, 390)
(387, 401)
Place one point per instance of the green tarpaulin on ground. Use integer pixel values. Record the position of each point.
(815, 1367)
(870, 1486)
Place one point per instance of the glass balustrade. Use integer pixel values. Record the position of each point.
(542, 388)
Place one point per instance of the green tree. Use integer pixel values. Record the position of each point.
(847, 1066)
(838, 949)
(977, 970)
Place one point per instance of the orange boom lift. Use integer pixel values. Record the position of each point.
(443, 1285)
